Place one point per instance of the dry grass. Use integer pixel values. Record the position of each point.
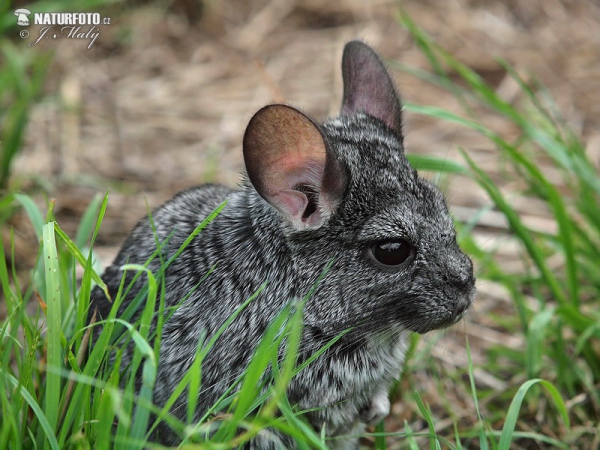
(160, 103)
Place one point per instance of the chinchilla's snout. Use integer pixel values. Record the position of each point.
(463, 283)
(464, 302)
(450, 291)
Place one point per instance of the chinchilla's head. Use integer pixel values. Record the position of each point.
(345, 191)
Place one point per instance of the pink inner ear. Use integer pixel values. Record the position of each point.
(286, 157)
(300, 170)
(292, 203)
(283, 149)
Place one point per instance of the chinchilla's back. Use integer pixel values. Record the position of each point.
(172, 222)
(340, 192)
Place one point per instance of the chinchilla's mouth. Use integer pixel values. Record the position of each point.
(448, 319)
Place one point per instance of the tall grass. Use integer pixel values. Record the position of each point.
(53, 397)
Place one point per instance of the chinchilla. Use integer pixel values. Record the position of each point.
(341, 191)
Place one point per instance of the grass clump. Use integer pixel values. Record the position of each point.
(53, 397)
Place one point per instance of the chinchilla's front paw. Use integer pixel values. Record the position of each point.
(376, 410)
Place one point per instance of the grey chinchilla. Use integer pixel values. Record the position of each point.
(341, 191)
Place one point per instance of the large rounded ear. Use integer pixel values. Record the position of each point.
(290, 166)
(368, 87)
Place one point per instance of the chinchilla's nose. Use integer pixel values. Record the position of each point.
(463, 281)
(465, 301)
(464, 271)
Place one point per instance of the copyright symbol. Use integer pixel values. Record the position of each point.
(24, 34)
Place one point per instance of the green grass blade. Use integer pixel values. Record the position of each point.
(195, 375)
(293, 335)
(143, 350)
(536, 336)
(298, 428)
(88, 221)
(483, 443)
(33, 212)
(519, 228)
(434, 164)
(380, 442)
(54, 333)
(410, 437)
(434, 443)
(591, 331)
(81, 259)
(424, 43)
(515, 406)
(47, 427)
(265, 352)
(197, 231)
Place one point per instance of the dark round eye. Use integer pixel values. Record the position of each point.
(392, 252)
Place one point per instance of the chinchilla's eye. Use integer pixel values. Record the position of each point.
(392, 252)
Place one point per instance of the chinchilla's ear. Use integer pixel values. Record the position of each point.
(368, 87)
(290, 166)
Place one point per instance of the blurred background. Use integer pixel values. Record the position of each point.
(161, 100)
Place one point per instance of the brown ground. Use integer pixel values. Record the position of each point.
(161, 100)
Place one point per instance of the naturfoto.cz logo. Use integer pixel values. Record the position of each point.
(62, 25)
(22, 18)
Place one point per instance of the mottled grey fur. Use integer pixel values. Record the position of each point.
(251, 241)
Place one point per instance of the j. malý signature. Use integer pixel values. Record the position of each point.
(68, 32)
